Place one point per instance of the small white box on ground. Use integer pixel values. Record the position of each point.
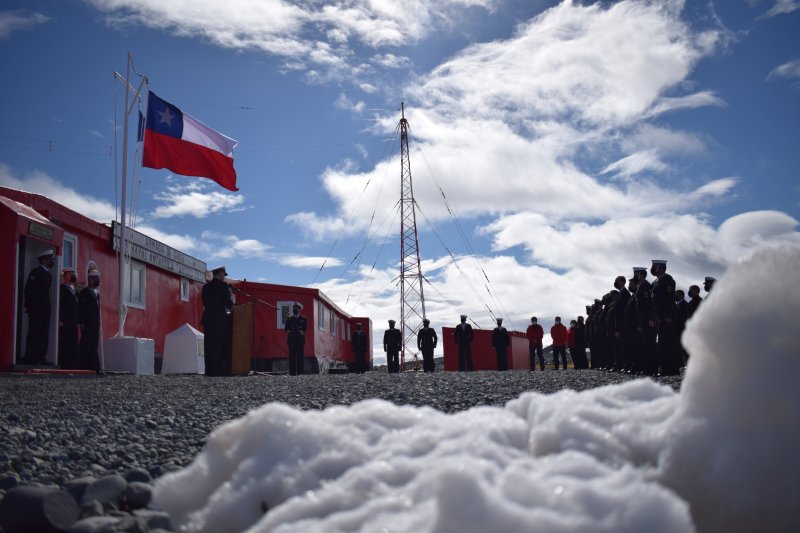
(129, 354)
(183, 352)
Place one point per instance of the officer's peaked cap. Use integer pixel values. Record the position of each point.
(48, 253)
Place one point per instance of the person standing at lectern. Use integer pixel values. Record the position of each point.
(217, 303)
(296, 326)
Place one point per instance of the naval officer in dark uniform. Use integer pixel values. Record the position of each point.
(426, 343)
(68, 321)
(89, 322)
(296, 327)
(500, 342)
(391, 345)
(666, 318)
(217, 303)
(358, 343)
(646, 322)
(463, 337)
(37, 305)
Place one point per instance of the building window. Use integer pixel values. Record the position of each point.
(333, 324)
(343, 335)
(184, 290)
(69, 253)
(284, 312)
(320, 316)
(348, 331)
(137, 281)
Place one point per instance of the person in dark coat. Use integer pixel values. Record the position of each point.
(426, 343)
(463, 337)
(68, 321)
(358, 343)
(646, 322)
(37, 305)
(391, 345)
(618, 340)
(217, 304)
(589, 325)
(535, 333)
(694, 301)
(633, 363)
(578, 351)
(599, 334)
(296, 327)
(89, 322)
(666, 318)
(500, 342)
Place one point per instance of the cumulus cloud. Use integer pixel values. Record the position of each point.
(41, 183)
(194, 199)
(17, 20)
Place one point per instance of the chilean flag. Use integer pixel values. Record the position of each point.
(184, 145)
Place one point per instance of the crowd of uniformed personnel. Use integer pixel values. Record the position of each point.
(637, 328)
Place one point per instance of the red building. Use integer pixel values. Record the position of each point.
(329, 328)
(164, 287)
(483, 354)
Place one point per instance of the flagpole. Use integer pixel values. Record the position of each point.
(122, 223)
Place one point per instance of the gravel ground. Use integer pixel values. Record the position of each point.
(75, 431)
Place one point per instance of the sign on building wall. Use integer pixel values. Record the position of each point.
(156, 253)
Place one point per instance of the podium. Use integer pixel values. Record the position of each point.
(239, 349)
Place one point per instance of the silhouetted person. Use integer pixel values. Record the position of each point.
(68, 320)
(578, 349)
(646, 322)
(559, 335)
(217, 303)
(680, 325)
(358, 343)
(633, 362)
(89, 322)
(534, 333)
(666, 318)
(37, 305)
(708, 284)
(590, 334)
(296, 326)
(391, 345)
(694, 301)
(463, 337)
(619, 346)
(500, 343)
(426, 343)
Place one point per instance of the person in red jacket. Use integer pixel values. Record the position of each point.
(559, 335)
(535, 334)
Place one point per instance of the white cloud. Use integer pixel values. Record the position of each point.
(790, 69)
(192, 199)
(343, 102)
(289, 29)
(17, 20)
(636, 164)
(40, 183)
(782, 7)
(300, 261)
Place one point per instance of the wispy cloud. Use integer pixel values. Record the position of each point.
(790, 70)
(782, 7)
(194, 198)
(18, 20)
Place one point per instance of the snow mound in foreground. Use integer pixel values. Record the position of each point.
(719, 456)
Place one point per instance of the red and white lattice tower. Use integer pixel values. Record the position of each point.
(412, 299)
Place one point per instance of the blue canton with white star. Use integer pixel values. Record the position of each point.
(163, 117)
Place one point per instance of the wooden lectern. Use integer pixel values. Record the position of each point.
(241, 323)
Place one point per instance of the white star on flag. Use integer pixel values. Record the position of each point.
(166, 117)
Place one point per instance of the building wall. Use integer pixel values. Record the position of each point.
(483, 354)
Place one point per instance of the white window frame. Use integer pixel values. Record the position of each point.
(132, 267)
(320, 315)
(185, 290)
(281, 306)
(74, 259)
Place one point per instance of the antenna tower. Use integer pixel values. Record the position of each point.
(412, 299)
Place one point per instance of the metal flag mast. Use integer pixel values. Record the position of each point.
(122, 222)
(412, 299)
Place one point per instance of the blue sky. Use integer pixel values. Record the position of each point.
(573, 140)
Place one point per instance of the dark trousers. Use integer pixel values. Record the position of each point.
(536, 351)
(361, 362)
(648, 348)
(427, 360)
(296, 355)
(214, 347)
(598, 355)
(465, 357)
(393, 361)
(579, 360)
(38, 337)
(502, 358)
(632, 351)
(562, 350)
(619, 347)
(88, 348)
(68, 346)
(668, 348)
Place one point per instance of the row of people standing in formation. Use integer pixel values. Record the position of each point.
(427, 340)
(637, 329)
(78, 316)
